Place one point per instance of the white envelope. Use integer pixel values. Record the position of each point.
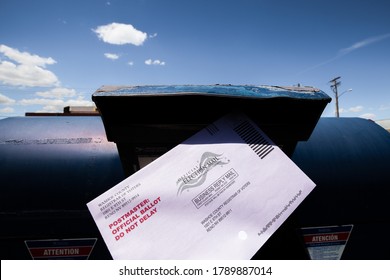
(218, 195)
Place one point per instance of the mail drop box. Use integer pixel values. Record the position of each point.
(52, 166)
(49, 167)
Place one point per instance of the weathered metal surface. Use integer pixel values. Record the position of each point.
(55, 162)
(241, 91)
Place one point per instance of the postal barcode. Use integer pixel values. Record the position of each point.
(212, 129)
(254, 139)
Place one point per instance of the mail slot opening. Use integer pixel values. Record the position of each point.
(146, 121)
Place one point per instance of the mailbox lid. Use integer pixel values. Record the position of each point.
(172, 113)
(241, 91)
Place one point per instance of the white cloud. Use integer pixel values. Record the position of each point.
(341, 110)
(26, 69)
(58, 92)
(55, 100)
(6, 100)
(356, 109)
(25, 58)
(364, 43)
(112, 56)
(154, 62)
(131, 63)
(50, 109)
(384, 107)
(120, 34)
(79, 102)
(55, 105)
(153, 35)
(345, 51)
(7, 110)
(369, 116)
(41, 101)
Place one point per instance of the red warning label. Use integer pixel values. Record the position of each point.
(326, 243)
(331, 237)
(61, 248)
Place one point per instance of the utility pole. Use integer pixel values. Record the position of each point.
(335, 83)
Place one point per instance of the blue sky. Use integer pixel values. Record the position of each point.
(55, 53)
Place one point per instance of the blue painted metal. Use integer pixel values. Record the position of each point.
(50, 167)
(54, 163)
(349, 160)
(241, 91)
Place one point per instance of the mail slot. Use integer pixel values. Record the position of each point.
(52, 166)
(167, 115)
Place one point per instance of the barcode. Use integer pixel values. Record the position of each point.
(261, 146)
(212, 129)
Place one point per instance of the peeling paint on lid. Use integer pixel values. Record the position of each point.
(242, 91)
